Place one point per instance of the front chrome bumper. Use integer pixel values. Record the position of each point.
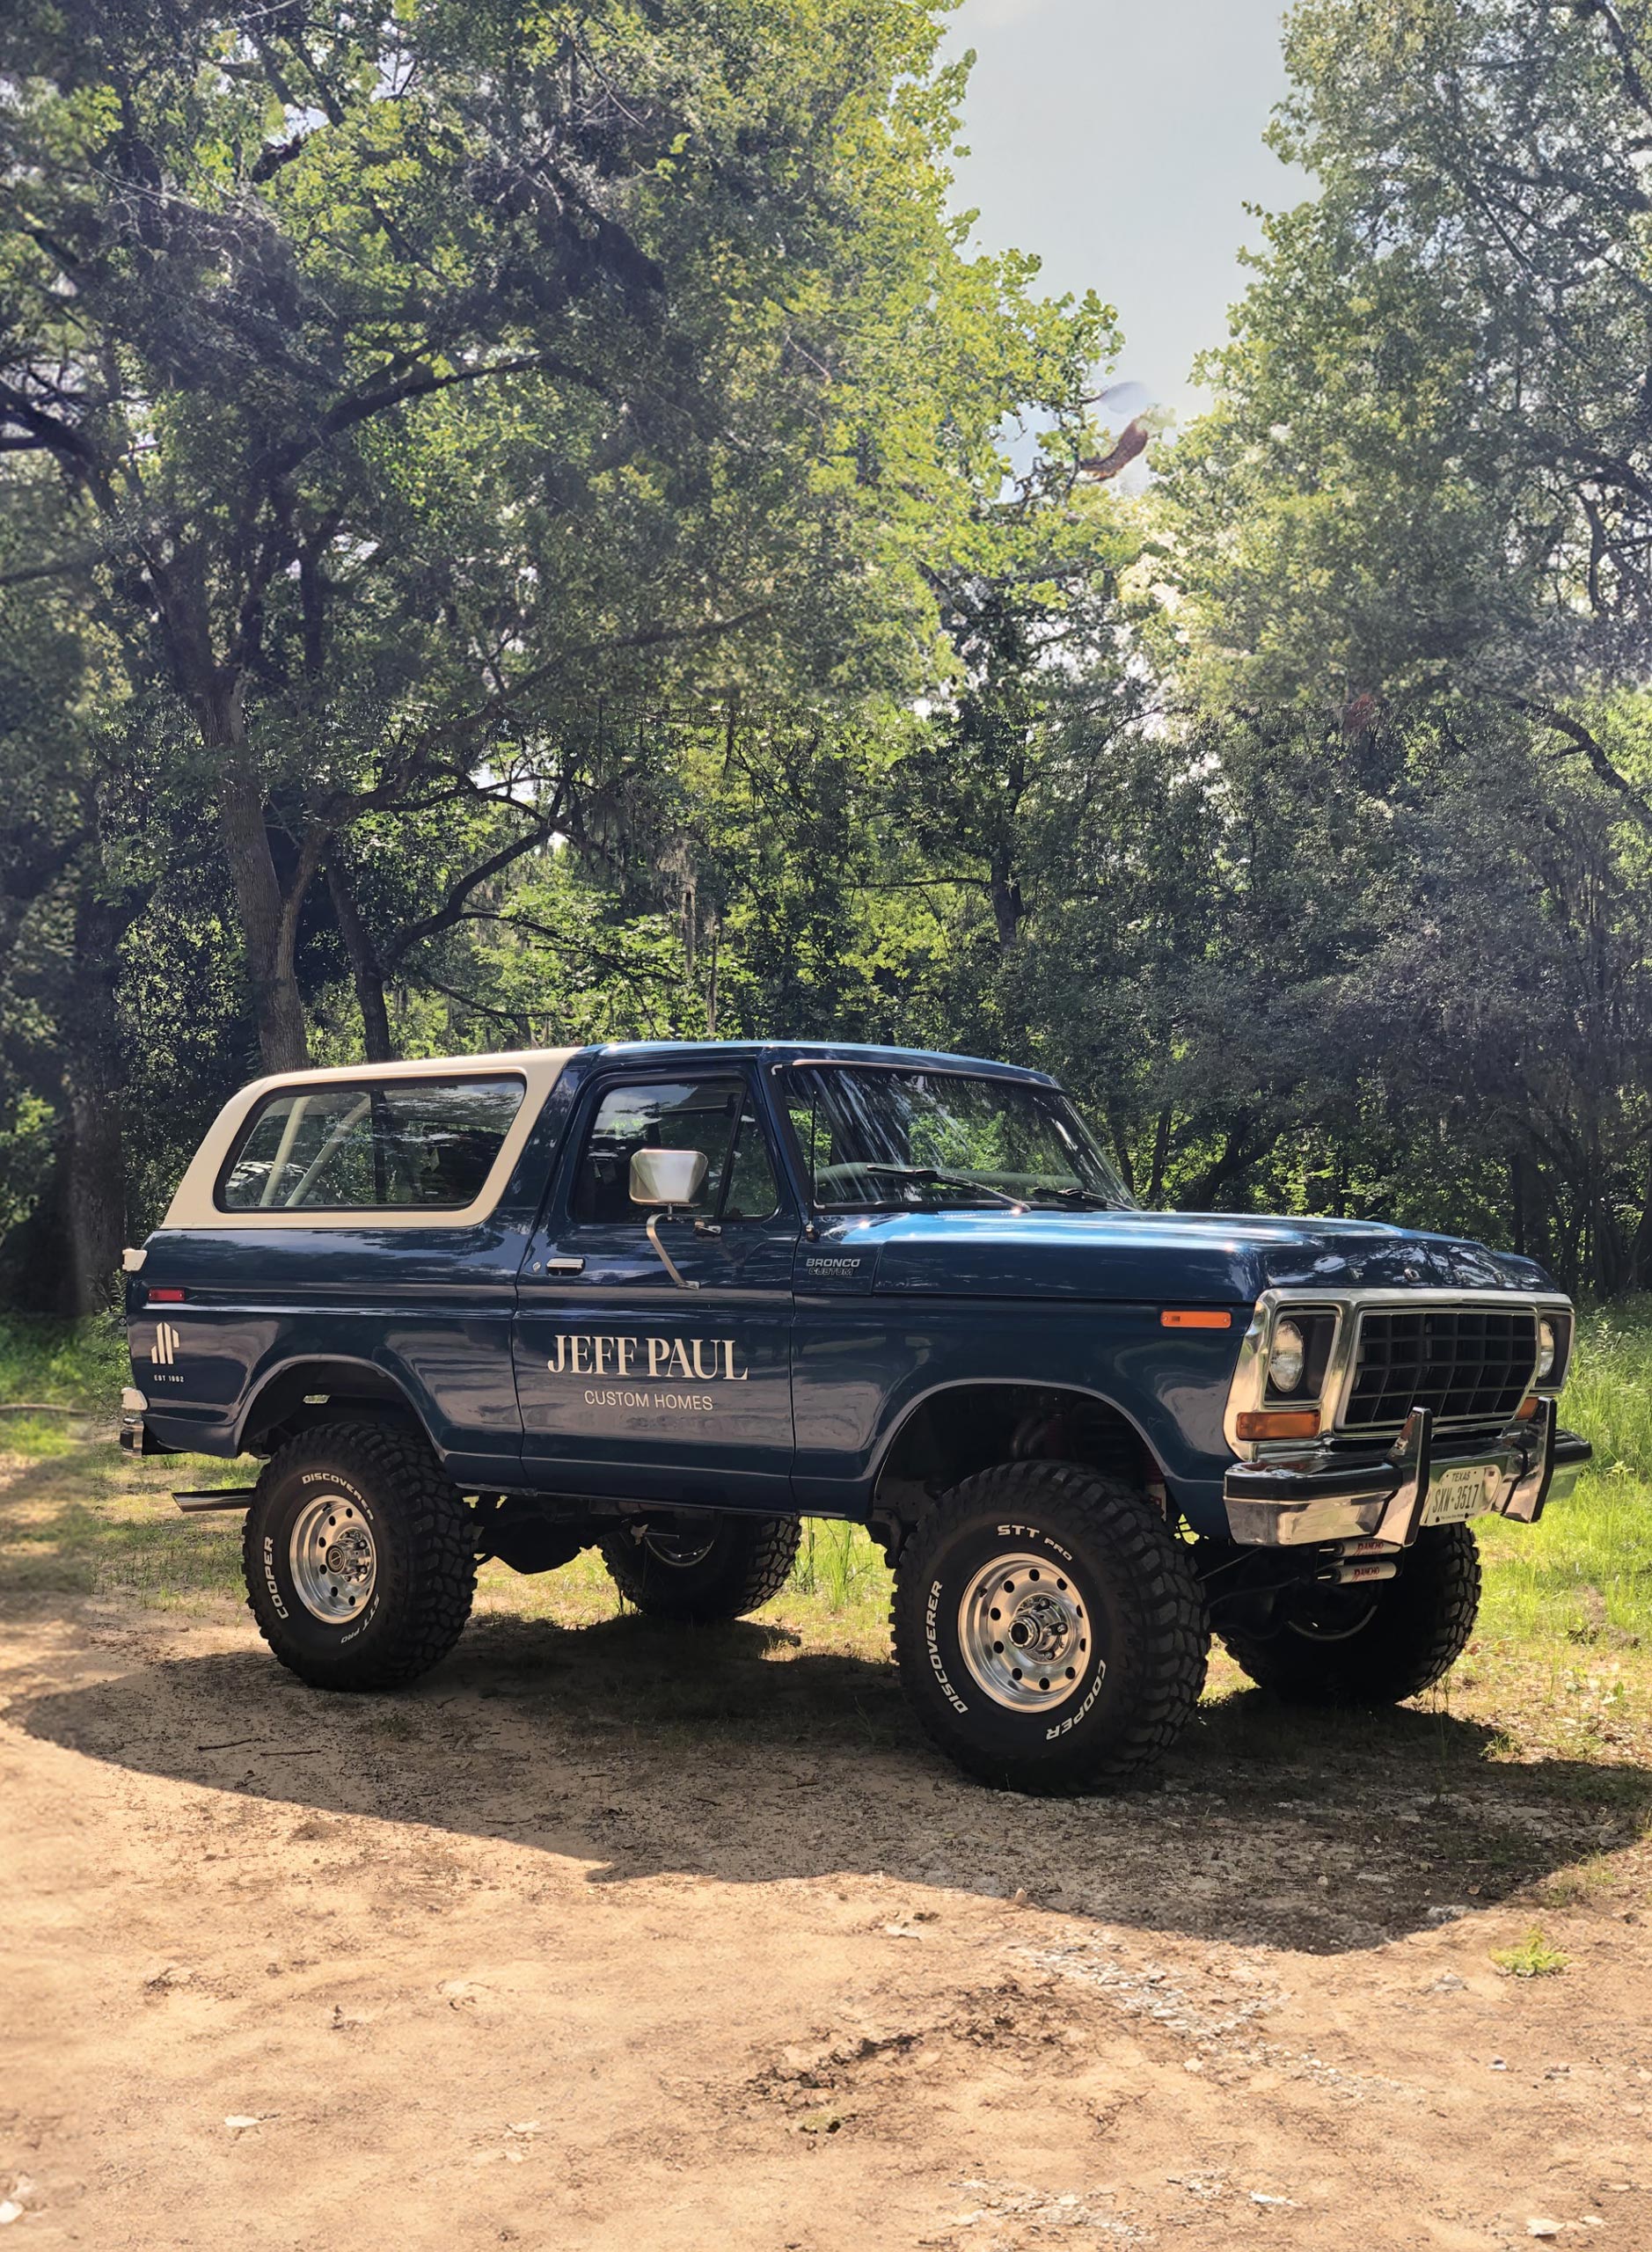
(1326, 1498)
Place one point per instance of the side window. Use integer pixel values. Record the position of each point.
(751, 1194)
(716, 1116)
(425, 1142)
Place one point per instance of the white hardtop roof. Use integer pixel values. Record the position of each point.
(529, 1062)
(194, 1204)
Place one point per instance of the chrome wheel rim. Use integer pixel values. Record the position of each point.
(333, 1558)
(1024, 1630)
(680, 1550)
(1328, 1622)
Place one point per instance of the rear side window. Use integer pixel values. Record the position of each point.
(429, 1143)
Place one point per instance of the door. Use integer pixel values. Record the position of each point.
(634, 1384)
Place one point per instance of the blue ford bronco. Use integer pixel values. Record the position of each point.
(668, 1300)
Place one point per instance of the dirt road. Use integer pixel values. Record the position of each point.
(622, 1939)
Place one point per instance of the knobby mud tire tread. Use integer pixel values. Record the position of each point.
(728, 1590)
(441, 1559)
(1419, 1630)
(1106, 1516)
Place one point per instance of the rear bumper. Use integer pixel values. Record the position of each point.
(137, 1439)
(1288, 1505)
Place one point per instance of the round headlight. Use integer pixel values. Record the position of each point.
(1289, 1358)
(1546, 1349)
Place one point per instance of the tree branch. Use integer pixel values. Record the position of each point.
(1599, 759)
(453, 908)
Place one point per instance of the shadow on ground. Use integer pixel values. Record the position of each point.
(735, 1753)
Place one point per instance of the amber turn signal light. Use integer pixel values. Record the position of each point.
(1278, 1423)
(1527, 1408)
(1195, 1317)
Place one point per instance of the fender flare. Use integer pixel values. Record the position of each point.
(1078, 1392)
(382, 1384)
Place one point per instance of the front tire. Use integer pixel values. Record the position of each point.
(360, 1557)
(1372, 1645)
(721, 1570)
(1049, 1628)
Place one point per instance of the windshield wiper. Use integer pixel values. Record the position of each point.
(929, 1176)
(1087, 1196)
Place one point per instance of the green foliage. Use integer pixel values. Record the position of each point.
(429, 425)
(1534, 1956)
(1427, 460)
(529, 524)
(1409, 549)
(70, 1364)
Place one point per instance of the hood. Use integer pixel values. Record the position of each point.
(1208, 1258)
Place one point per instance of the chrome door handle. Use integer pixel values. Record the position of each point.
(561, 1267)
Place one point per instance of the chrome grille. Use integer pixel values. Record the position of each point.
(1461, 1362)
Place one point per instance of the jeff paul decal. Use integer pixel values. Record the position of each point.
(694, 1359)
(669, 1360)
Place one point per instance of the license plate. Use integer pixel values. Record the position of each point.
(1455, 1494)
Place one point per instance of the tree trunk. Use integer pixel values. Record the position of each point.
(1161, 1155)
(268, 918)
(365, 967)
(1639, 1263)
(1239, 1154)
(94, 1209)
(267, 928)
(1518, 1201)
(96, 1212)
(1006, 901)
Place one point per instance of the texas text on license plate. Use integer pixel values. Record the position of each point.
(1454, 1494)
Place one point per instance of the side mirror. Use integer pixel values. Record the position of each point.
(668, 1177)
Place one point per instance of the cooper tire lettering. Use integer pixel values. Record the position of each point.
(1065, 1726)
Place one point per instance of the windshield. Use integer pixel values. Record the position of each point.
(882, 1139)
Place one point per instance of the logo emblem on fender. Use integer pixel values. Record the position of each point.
(164, 1351)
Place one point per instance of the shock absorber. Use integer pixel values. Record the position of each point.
(1356, 1563)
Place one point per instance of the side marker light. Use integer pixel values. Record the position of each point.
(1278, 1423)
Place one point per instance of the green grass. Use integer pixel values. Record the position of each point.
(1584, 1576)
(91, 1521)
(1535, 1956)
(1610, 1397)
(1576, 1588)
(72, 1364)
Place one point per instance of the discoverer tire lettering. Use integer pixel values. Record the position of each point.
(1095, 1580)
(930, 1610)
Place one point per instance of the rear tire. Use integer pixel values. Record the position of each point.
(1372, 1645)
(694, 1578)
(1049, 1628)
(360, 1557)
